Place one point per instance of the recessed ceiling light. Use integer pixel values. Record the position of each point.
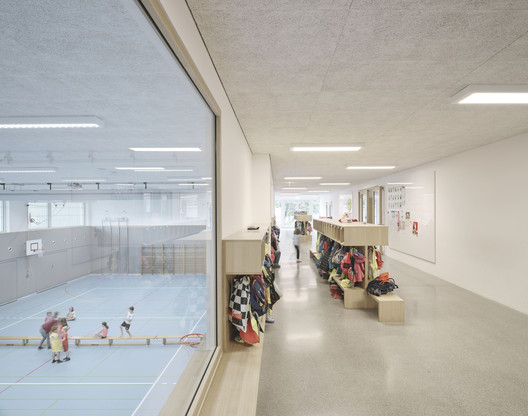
(166, 149)
(294, 189)
(293, 178)
(335, 184)
(492, 94)
(371, 167)
(335, 148)
(82, 180)
(139, 169)
(50, 122)
(28, 171)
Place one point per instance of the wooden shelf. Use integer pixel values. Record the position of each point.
(244, 251)
(302, 217)
(354, 233)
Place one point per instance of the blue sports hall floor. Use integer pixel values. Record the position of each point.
(101, 380)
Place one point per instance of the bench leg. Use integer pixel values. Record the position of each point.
(391, 311)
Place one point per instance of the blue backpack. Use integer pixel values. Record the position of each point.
(258, 299)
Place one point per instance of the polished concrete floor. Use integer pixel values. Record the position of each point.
(456, 353)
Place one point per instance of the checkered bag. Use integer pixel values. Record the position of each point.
(239, 306)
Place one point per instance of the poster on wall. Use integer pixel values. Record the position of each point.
(411, 214)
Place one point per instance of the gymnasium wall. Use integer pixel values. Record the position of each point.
(73, 252)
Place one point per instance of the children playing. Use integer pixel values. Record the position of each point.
(103, 333)
(56, 345)
(48, 317)
(70, 316)
(65, 344)
(128, 320)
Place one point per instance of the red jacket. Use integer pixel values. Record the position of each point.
(50, 324)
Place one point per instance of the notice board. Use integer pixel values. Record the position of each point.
(411, 214)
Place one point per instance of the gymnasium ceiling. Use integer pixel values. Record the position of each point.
(378, 73)
(381, 73)
(102, 59)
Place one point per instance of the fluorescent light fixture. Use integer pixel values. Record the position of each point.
(174, 170)
(492, 94)
(318, 191)
(370, 167)
(330, 148)
(414, 187)
(399, 183)
(335, 184)
(166, 149)
(193, 184)
(207, 179)
(294, 178)
(140, 169)
(294, 189)
(124, 184)
(28, 171)
(82, 180)
(50, 122)
(496, 98)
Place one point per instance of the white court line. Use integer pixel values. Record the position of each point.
(47, 309)
(76, 384)
(165, 369)
(85, 318)
(152, 287)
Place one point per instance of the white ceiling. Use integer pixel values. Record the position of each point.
(98, 58)
(376, 72)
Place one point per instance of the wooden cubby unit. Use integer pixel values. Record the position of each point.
(302, 217)
(234, 388)
(360, 236)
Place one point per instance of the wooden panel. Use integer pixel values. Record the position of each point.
(354, 297)
(244, 251)
(355, 233)
(303, 217)
(234, 388)
(391, 308)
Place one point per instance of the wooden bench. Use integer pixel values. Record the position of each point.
(391, 308)
(15, 340)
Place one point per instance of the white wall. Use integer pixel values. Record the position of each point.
(262, 189)
(481, 221)
(235, 155)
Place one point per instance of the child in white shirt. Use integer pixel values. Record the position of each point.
(128, 320)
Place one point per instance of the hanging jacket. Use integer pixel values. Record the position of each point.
(359, 266)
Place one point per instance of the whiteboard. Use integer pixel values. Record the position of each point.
(410, 203)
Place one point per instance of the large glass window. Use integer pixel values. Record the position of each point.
(285, 207)
(2, 216)
(122, 197)
(67, 214)
(38, 215)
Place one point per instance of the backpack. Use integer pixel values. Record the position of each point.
(238, 310)
(258, 299)
(382, 285)
(269, 278)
